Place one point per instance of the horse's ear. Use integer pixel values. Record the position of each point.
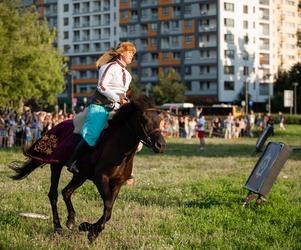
(143, 102)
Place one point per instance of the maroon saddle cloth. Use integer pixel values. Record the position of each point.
(55, 146)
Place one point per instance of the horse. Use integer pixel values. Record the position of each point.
(108, 165)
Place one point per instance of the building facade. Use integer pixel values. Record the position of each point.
(223, 50)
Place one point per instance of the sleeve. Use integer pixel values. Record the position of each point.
(104, 81)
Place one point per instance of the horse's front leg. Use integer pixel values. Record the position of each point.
(108, 194)
(75, 183)
(53, 194)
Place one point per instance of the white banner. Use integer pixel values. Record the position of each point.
(288, 98)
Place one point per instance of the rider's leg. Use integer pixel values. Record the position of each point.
(81, 148)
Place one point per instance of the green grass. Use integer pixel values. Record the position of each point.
(183, 199)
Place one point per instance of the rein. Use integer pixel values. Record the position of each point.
(147, 141)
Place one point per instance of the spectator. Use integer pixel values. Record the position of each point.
(281, 121)
(201, 122)
(228, 126)
(215, 127)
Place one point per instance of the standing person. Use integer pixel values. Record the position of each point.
(113, 83)
(281, 121)
(201, 130)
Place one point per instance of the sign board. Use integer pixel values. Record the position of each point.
(288, 98)
(263, 137)
(267, 168)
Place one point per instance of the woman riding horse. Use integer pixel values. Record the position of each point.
(108, 165)
(113, 83)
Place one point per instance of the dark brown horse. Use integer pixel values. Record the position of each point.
(109, 165)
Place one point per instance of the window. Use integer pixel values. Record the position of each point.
(204, 22)
(66, 48)
(175, 24)
(154, 72)
(83, 74)
(245, 55)
(66, 34)
(245, 24)
(187, 9)
(134, 15)
(228, 85)
(188, 55)
(187, 70)
(154, 26)
(229, 70)
(229, 22)
(188, 85)
(124, 14)
(264, 58)
(246, 39)
(188, 39)
(165, 56)
(229, 7)
(204, 53)
(246, 71)
(229, 53)
(154, 56)
(66, 7)
(83, 89)
(229, 38)
(66, 21)
(175, 40)
(245, 9)
(188, 24)
(165, 11)
(176, 55)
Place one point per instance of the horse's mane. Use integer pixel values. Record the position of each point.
(138, 104)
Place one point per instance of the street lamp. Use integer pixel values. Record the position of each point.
(295, 84)
(246, 93)
(267, 76)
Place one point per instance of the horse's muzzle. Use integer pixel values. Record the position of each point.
(159, 144)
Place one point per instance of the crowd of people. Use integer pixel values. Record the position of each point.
(25, 128)
(228, 127)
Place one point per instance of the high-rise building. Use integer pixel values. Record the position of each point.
(287, 23)
(223, 50)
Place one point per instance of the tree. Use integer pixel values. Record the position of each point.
(284, 81)
(169, 88)
(30, 66)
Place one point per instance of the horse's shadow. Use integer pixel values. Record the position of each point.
(211, 150)
(150, 196)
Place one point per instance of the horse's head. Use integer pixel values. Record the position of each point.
(142, 120)
(148, 124)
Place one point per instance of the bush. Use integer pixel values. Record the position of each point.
(289, 119)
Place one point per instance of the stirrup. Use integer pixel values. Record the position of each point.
(73, 168)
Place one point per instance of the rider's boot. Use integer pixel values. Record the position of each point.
(81, 148)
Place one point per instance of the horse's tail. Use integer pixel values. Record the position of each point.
(25, 169)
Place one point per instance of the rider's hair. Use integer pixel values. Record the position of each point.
(114, 53)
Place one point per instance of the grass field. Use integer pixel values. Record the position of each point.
(183, 199)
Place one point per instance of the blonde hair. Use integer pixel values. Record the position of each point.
(113, 53)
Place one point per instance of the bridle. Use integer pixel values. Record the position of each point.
(147, 135)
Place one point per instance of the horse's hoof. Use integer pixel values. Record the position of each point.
(85, 226)
(58, 230)
(70, 224)
(92, 236)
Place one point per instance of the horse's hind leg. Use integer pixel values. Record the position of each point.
(75, 183)
(53, 194)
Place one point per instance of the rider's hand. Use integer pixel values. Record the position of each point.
(123, 99)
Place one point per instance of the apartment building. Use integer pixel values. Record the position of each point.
(86, 29)
(287, 23)
(222, 49)
(178, 34)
